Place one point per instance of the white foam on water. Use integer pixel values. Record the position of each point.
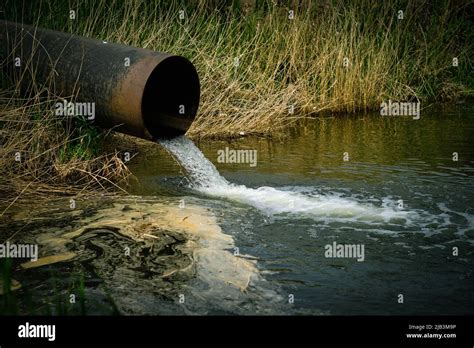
(205, 178)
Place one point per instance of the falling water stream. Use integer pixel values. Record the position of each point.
(205, 179)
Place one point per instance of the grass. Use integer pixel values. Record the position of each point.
(57, 301)
(259, 70)
(44, 154)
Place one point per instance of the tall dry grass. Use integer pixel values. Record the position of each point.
(43, 154)
(260, 70)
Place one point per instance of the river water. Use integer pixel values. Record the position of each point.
(398, 189)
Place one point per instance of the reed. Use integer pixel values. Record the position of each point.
(43, 154)
(261, 68)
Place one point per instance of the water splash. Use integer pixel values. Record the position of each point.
(205, 178)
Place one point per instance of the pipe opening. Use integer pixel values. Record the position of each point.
(171, 98)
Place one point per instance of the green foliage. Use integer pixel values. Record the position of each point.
(85, 143)
(9, 304)
(57, 302)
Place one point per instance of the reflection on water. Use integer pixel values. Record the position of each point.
(400, 194)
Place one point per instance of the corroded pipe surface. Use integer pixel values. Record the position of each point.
(136, 91)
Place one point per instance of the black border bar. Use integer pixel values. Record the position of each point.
(134, 330)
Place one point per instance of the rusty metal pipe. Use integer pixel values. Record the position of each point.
(157, 95)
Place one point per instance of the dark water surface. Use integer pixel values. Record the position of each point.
(391, 159)
(399, 194)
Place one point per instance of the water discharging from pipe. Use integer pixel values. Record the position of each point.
(205, 179)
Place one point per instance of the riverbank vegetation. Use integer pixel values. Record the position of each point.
(262, 65)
